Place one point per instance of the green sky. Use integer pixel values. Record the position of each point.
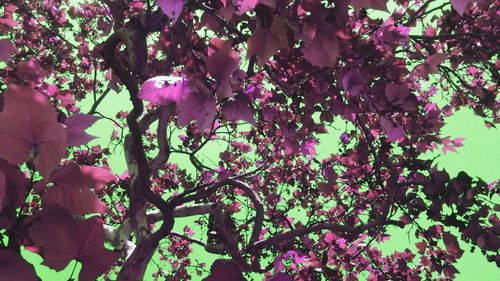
(478, 157)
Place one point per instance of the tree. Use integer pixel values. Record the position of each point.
(267, 78)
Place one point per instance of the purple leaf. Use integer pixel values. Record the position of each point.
(59, 238)
(265, 42)
(78, 201)
(450, 271)
(245, 5)
(290, 142)
(221, 64)
(225, 270)
(430, 66)
(198, 105)
(29, 121)
(309, 147)
(171, 8)
(14, 268)
(321, 48)
(31, 71)
(394, 133)
(164, 90)
(223, 61)
(389, 35)
(373, 4)
(12, 185)
(3, 189)
(76, 125)
(51, 233)
(81, 176)
(7, 49)
(94, 257)
(193, 101)
(238, 109)
(452, 246)
(280, 276)
(7, 20)
(353, 82)
(460, 5)
(296, 257)
(398, 95)
(71, 190)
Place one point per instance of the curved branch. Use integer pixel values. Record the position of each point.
(259, 209)
(266, 243)
(249, 192)
(163, 145)
(135, 266)
(148, 119)
(218, 213)
(98, 101)
(391, 186)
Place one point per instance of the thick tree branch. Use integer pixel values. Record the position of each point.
(228, 238)
(290, 235)
(163, 145)
(249, 192)
(138, 167)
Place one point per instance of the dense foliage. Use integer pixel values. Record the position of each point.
(267, 79)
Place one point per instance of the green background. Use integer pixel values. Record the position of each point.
(479, 157)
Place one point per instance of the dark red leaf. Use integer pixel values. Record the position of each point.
(225, 270)
(52, 233)
(76, 125)
(14, 268)
(452, 246)
(91, 253)
(171, 8)
(81, 176)
(265, 42)
(29, 122)
(460, 5)
(198, 105)
(321, 47)
(373, 4)
(31, 71)
(59, 238)
(164, 90)
(71, 189)
(7, 49)
(14, 185)
(238, 109)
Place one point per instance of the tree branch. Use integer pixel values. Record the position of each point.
(135, 266)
